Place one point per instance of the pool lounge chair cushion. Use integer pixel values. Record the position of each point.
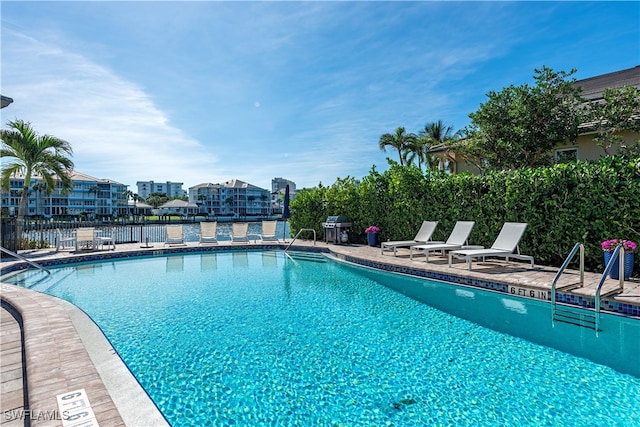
(175, 235)
(269, 231)
(423, 236)
(504, 246)
(457, 239)
(208, 232)
(239, 232)
(86, 238)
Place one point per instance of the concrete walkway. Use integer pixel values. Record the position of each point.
(11, 383)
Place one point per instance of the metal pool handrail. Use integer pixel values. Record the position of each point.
(20, 257)
(298, 234)
(617, 253)
(564, 266)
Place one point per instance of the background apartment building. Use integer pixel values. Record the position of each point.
(233, 197)
(171, 189)
(90, 198)
(279, 184)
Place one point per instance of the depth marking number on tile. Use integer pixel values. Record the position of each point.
(529, 293)
(76, 410)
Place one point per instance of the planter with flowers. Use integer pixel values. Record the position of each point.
(372, 235)
(608, 246)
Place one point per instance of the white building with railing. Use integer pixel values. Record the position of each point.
(171, 189)
(232, 198)
(90, 197)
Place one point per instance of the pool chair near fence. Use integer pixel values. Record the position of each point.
(239, 232)
(86, 238)
(268, 231)
(457, 240)
(505, 246)
(423, 236)
(63, 241)
(208, 232)
(175, 235)
(106, 237)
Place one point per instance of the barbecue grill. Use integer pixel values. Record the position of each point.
(336, 229)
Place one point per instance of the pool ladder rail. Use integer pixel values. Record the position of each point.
(576, 315)
(298, 235)
(21, 258)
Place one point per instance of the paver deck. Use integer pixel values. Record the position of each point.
(66, 351)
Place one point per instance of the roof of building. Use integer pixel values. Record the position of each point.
(139, 205)
(232, 183)
(204, 185)
(593, 87)
(177, 203)
(75, 176)
(236, 183)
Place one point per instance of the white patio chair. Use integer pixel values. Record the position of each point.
(457, 240)
(175, 235)
(504, 246)
(423, 236)
(61, 241)
(239, 232)
(86, 238)
(208, 232)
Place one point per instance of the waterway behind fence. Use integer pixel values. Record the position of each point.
(152, 233)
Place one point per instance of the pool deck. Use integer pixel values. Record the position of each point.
(49, 347)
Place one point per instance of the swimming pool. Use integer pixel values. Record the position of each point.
(256, 338)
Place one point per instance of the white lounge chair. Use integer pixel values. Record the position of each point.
(506, 243)
(208, 232)
(269, 231)
(175, 235)
(423, 236)
(86, 238)
(61, 241)
(457, 239)
(239, 232)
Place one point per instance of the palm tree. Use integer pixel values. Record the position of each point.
(433, 134)
(39, 187)
(30, 154)
(400, 140)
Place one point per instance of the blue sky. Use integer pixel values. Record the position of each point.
(210, 91)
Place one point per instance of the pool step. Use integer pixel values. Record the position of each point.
(307, 256)
(575, 316)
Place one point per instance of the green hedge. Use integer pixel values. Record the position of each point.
(563, 204)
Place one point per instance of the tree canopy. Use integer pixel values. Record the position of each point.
(520, 125)
(619, 110)
(27, 153)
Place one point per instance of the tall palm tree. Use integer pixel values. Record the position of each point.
(400, 140)
(27, 153)
(433, 134)
(39, 188)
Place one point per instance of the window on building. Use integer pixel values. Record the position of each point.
(566, 155)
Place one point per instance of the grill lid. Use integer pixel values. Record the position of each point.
(336, 218)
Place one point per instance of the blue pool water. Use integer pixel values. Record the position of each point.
(256, 338)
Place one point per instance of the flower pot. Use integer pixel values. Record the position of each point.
(372, 239)
(614, 273)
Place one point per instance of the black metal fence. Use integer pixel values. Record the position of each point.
(41, 234)
(44, 234)
(8, 234)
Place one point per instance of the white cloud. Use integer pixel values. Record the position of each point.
(114, 127)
